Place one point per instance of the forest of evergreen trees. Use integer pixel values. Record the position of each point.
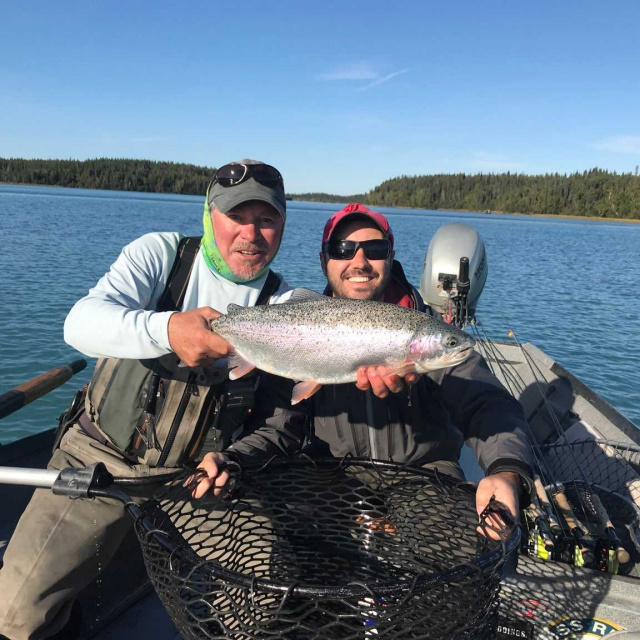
(326, 197)
(591, 193)
(107, 173)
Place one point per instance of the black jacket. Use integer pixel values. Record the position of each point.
(426, 422)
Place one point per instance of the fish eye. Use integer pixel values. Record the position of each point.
(451, 341)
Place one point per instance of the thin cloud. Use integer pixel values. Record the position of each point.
(620, 144)
(379, 81)
(359, 71)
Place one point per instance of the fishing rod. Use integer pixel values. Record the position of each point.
(576, 528)
(539, 457)
(592, 498)
(597, 508)
(554, 525)
(622, 554)
(553, 513)
(584, 544)
(541, 516)
(536, 515)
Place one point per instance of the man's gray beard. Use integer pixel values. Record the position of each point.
(249, 273)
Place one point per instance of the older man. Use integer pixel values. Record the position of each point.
(144, 411)
(425, 426)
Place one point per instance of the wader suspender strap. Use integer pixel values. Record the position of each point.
(173, 294)
(271, 285)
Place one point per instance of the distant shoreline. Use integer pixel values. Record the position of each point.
(293, 199)
(537, 215)
(502, 213)
(553, 215)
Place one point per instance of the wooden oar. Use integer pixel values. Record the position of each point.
(29, 391)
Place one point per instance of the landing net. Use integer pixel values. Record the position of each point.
(328, 549)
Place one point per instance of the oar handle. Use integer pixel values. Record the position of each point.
(29, 477)
(29, 391)
(75, 483)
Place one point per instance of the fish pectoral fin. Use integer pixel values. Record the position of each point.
(402, 369)
(304, 390)
(238, 366)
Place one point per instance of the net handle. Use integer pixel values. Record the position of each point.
(499, 509)
(495, 507)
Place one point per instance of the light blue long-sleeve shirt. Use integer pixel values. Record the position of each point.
(116, 319)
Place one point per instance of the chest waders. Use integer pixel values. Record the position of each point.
(156, 413)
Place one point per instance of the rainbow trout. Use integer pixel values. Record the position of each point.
(320, 340)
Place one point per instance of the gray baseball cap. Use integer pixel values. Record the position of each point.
(226, 198)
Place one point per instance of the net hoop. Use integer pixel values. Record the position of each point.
(489, 558)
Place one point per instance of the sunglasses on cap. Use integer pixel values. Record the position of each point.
(231, 175)
(347, 249)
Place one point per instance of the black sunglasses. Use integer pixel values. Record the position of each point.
(347, 249)
(231, 175)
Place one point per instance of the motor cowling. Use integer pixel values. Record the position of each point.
(454, 272)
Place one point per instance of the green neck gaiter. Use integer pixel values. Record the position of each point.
(211, 253)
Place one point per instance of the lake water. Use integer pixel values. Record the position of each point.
(568, 286)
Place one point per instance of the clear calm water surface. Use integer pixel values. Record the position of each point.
(568, 286)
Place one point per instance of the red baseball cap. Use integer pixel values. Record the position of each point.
(356, 209)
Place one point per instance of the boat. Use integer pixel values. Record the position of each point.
(582, 443)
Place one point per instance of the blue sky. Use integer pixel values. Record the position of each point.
(338, 95)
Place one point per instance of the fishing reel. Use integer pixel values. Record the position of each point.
(454, 273)
(555, 532)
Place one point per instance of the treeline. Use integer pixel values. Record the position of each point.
(108, 173)
(591, 193)
(326, 197)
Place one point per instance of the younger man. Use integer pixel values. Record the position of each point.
(426, 425)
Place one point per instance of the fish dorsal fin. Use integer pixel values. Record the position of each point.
(233, 308)
(305, 295)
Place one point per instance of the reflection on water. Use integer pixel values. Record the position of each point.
(565, 285)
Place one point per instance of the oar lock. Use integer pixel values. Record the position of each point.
(77, 483)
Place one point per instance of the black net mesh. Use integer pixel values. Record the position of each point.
(332, 550)
(611, 471)
(612, 465)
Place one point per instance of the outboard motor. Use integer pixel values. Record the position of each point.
(454, 272)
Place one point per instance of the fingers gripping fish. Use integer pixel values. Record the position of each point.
(320, 340)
